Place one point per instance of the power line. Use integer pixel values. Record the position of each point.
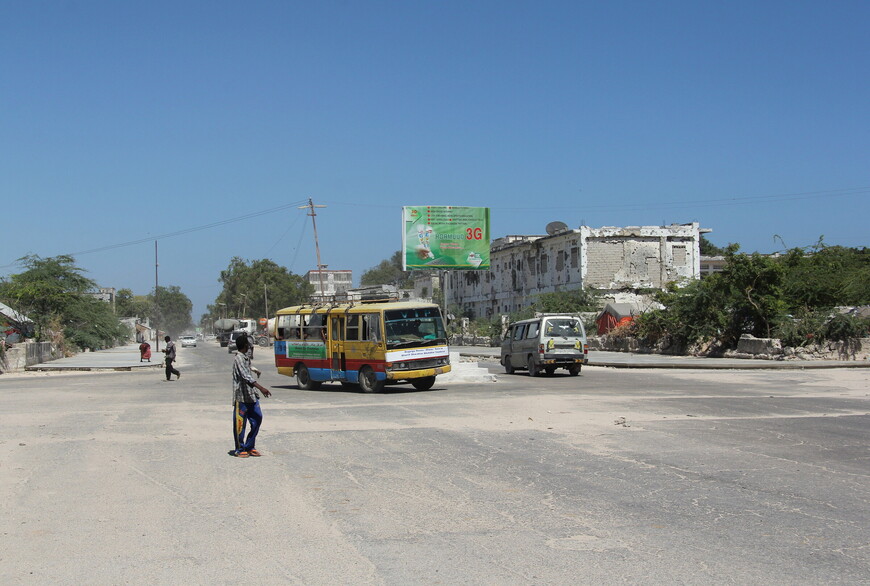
(743, 200)
(294, 204)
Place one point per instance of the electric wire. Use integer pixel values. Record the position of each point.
(653, 204)
(294, 204)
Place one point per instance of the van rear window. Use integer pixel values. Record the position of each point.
(567, 327)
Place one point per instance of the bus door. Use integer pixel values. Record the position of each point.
(338, 362)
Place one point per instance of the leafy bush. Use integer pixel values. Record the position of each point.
(843, 327)
(800, 331)
(571, 301)
(761, 295)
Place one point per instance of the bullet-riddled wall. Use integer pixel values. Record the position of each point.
(609, 259)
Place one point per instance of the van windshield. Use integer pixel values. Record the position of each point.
(565, 327)
(419, 326)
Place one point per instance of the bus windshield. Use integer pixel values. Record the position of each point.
(420, 326)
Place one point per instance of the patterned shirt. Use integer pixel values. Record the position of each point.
(170, 350)
(244, 390)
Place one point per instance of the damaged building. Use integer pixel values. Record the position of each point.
(619, 262)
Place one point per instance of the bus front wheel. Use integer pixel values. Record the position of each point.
(303, 379)
(369, 382)
(423, 384)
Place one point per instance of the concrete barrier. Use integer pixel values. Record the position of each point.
(18, 357)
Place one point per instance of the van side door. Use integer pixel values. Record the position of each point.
(519, 333)
(531, 342)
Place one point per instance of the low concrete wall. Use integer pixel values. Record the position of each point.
(471, 340)
(748, 347)
(19, 356)
(772, 349)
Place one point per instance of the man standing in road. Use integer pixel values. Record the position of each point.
(246, 401)
(170, 358)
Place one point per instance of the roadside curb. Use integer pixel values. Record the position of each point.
(46, 367)
(708, 364)
(748, 366)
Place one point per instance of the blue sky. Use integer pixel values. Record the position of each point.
(126, 121)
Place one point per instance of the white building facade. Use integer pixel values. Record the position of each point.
(335, 282)
(616, 261)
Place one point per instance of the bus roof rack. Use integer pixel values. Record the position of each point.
(378, 297)
(562, 314)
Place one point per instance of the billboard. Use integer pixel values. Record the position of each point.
(445, 237)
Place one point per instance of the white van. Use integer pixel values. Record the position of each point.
(545, 343)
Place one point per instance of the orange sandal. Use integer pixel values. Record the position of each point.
(254, 453)
(242, 454)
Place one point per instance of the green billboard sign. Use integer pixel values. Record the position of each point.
(445, 237)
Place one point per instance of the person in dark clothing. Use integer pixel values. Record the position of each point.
(170, 358)
(246, 402)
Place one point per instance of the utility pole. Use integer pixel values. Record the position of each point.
(156, 307)
(312, 213)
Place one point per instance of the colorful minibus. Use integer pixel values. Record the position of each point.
(371, 344)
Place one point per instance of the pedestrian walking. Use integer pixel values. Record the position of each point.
(144, 352)
(246, 402)
(170, 358)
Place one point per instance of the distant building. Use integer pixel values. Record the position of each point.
(712, 264)
(106, 294)
(619, 262)
(335, 282)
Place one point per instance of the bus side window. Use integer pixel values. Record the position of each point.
(371, 327)
(518, 332)
(316, 329)
(282, 327)
(353, 326)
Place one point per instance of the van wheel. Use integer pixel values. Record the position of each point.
(506, 362)
(369, 382)
(533, 368)
(303, 379)
(549, 370)
(423, 384)
(574, 370)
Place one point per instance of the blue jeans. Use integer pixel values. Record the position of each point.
(250, 413)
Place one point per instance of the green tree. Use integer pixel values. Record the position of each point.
(790, 297)
(90, 323)
(709, 249)
(572, 301)
(388, 272)
(45, 289)
(746, 297)
(54, 293)
(129, 305)
(249, 285)
(826, 276)
(171, 310)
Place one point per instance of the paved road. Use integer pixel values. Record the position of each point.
(127, 358)
(635, 360)
(654, 476)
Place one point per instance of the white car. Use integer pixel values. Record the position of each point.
(188, 341)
